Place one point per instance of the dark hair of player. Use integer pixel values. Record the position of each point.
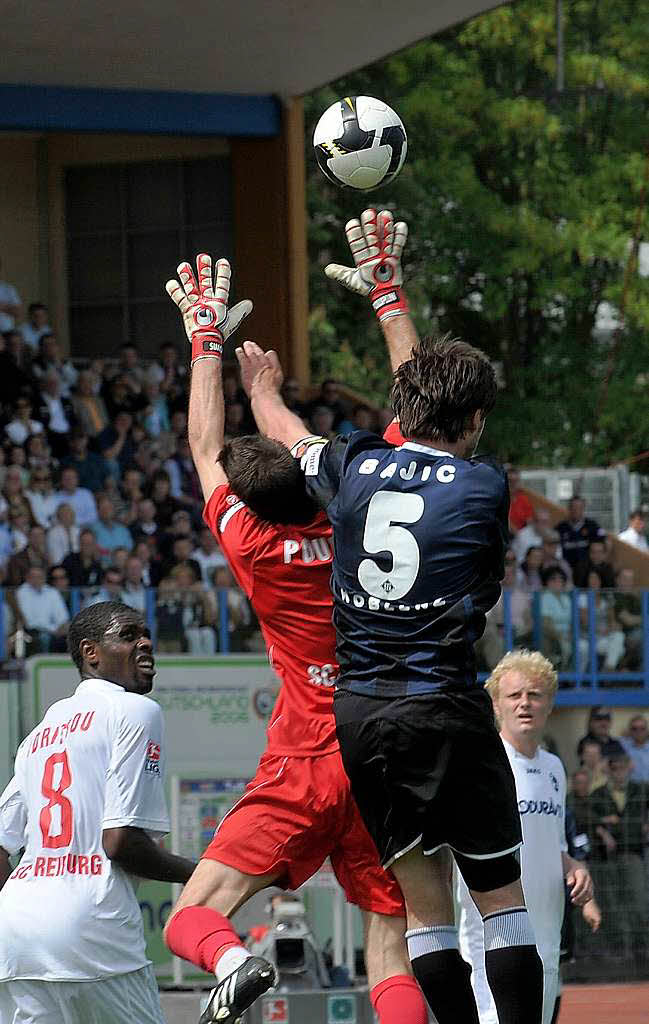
(91, 624)
(437, 392)
(264, 474)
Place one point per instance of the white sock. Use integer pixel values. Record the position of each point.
(231, 959)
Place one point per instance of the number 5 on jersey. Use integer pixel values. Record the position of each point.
(53, 792)
(387, 509)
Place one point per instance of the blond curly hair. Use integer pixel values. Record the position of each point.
(531, 664)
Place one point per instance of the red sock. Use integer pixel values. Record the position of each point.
(201, 936)
(399, 999)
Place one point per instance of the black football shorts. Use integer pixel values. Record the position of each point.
(429, 769)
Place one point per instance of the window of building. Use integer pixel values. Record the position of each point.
(128, 226)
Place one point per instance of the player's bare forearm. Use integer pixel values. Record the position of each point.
(400, 337)
(272, 416)
(138, 854)
(262, 378)
(208, 321)
(205, 423)
(5, 866)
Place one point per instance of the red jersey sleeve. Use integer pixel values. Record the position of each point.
(239, 534)
(393, 433)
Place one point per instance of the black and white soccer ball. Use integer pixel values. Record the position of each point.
(360, 143)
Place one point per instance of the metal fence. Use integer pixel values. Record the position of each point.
(597, 661)
(577, 648)
(152, 605)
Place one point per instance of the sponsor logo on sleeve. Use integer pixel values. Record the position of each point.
(310, 462)
(152, 759)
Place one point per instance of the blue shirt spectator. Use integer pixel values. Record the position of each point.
(636, 745)
(80, 498)
(109, 534)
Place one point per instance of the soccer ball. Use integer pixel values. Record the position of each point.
(360, 143)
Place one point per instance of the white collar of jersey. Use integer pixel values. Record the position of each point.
(94, 684)
(427, 449)
(517, 753)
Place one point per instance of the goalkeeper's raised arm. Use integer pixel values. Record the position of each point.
(208, 322)
(376, 245)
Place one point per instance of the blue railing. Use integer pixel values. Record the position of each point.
(77, 595)
(582, 680)
(585, 682)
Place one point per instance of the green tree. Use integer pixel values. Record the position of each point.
(522, 203)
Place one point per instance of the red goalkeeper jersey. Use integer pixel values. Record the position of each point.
(285, 572)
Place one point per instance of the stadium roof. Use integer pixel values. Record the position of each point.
(281, 47)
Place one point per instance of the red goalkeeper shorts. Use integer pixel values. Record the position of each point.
(296, 812)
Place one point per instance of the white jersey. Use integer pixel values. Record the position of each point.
(541, 791)
(96, 761)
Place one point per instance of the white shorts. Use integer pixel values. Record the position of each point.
(123, 999)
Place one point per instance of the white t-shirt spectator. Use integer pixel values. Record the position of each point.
(68, 375)
(41, 609)
(19, 540)
(43, 507)
(32, 335)
(526, 538)
(61, 542)
(635, 539)
(8, 295)
(17, 431)
(58, 421)
(68, 913)
(208, 563)
(82, 502)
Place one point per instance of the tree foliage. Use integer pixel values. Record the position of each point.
(522, 204)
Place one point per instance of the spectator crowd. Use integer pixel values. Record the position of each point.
(564, 593)
(98, 491)
(608, 823)
(99, 497)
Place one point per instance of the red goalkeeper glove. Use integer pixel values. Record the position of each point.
(204, 306)
(376, 243)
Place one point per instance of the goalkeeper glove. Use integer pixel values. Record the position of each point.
(376, 243)
(204, 306)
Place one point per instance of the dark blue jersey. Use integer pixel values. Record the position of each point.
(419, 542)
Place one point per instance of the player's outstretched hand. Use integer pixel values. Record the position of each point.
(376, 243)
(266, 383)
(252, 359)
(580, 885)
(204, 306)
